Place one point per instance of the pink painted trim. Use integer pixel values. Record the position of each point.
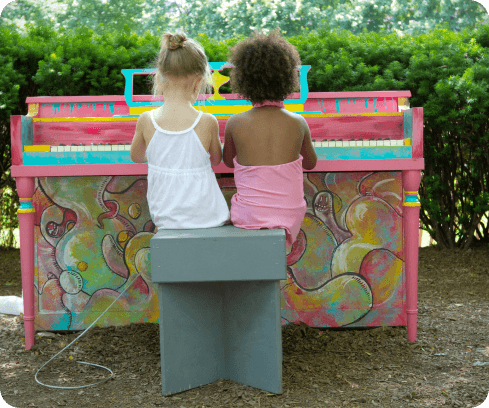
(410, 182)
(16, 139)
(367, 165)
(25, 189)
(131, 169)
(142, 168)
(142, 98)
(71, 99)
(363, 94)
(128, 169)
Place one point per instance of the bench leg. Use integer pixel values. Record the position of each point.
(191, 335)
(253, 334)
(213, 330)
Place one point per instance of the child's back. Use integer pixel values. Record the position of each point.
(179, 144)
(182, 188)
(267, 145)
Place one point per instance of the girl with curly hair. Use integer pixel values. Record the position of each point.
(267, 146)
(180, 143)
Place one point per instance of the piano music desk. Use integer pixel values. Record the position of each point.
(85, 228)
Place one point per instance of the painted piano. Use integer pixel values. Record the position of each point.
(85, 227)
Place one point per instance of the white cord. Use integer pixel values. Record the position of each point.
(81, 362)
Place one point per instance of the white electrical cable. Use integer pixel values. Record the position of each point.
(82, 362)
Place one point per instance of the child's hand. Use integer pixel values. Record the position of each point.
(229, 152)
(309, 157)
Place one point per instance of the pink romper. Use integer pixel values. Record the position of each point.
(269, 197)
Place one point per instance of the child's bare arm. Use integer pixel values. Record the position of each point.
(215, 146)
(138, 145)
(229, 147)
(307, 151)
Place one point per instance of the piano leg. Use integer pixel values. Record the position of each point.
(411, 206)
(26, 213)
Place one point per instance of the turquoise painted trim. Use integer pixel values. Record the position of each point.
(364, 153)
(67, 158)
(26, 205)
(408, 124)
(128, 90)
(123, 157)
(411, 199)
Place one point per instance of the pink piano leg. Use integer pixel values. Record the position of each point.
(410, 182)
(26, 212)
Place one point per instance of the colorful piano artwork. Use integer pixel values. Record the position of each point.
(85, 227)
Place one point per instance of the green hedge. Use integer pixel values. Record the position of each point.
(446, 72)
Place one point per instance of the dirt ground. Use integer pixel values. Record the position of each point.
(448, 366)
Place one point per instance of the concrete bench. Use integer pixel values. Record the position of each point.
(219, 305)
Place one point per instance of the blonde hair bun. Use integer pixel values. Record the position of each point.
(174, 41)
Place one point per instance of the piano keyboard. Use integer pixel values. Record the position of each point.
(127, 147)
(78, 148)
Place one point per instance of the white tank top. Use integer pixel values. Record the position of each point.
(182, 188)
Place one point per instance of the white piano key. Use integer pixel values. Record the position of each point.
(359, 143)
(378, 143)
(352, 143)
(324, 143)
(128, 148)
(399, 142)
(87, 148)
(387, 142)
(372, 142)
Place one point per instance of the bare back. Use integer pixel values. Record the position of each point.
(267, 136)
(177, 121)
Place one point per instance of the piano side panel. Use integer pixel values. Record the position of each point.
(417, 132)
(16, 139)
(93, 235)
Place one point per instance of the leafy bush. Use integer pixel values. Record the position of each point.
(446, 72)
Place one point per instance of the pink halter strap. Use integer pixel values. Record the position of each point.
(278, 104)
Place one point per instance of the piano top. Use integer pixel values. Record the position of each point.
(351, 131)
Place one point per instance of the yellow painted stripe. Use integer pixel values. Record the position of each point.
(407, 142)
(411, 204)
(26, 210)
(223, 109)
(37, 148)
(106, 119)
(410, 192)
(219, 115)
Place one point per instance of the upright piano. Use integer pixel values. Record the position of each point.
(85, 228)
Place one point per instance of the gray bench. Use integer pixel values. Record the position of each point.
(219, 306)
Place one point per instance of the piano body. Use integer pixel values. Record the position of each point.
(85, 227)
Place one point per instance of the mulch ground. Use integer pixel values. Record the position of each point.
(448, 366)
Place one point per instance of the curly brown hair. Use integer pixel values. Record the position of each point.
(265, 67)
